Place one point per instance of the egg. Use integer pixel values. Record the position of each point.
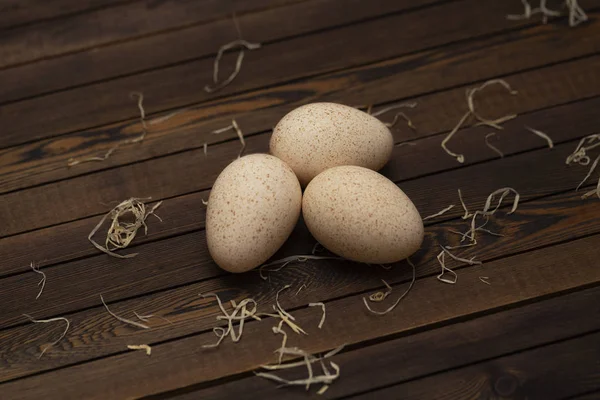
(252, 209)
(361, 215)
(318, 136)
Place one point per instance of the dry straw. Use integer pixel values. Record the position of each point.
(125, 320)
(140, 101)
(246, 308)
(145, 347)
(491, 146)
(234, 125)
(121, 233)
(395, 304)
(322, 305)
(326, 377)
(282, 263)
(42, 282)
(444, 211)
(45, 321)
(472, 113)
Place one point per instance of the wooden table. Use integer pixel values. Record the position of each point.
(524, 325)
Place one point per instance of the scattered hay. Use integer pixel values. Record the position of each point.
(405, 144)
(380, 296)
(42, 282)
(242, 44)
(462, 203)
(495, 123)
(286, 317)
(576, 14)
(205, 149)
(322, 305)
(491, 146)
(592, 168)
(146, 318)
(445, 210)
(459, 157)
(204, 202)
(464, 260)
(503, 193)
(241, 308)
(140, 97)
(542, 135)
(390, 308)
(234, 125)
(145, 347)
(326, 378)
(121, 233)
(45, 321)
(471, 103)
(484, 279)
(287, 260)
(397, 115)
(317, 248)
(595, 191)
(586, 144)
(125, 320)
(441, 257)
(300, 289)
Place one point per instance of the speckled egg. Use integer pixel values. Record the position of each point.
(252, 209)
(318, 136)
(361, 215)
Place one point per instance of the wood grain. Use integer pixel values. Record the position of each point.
(536, 224)
(551, 372)
(19, 12)
(407, 358)
(184, 213)
(193, 42)
(80, 197)
(181, 363)
(71, 110)
(45, 160)
(121, 22)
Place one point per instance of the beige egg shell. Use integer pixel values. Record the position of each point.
(252, 209)
(361, 215)
(318, 136)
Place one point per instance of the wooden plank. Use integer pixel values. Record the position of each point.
(410, 357)
(121, 22)
(181, 363)
(185, 214)
(157, 51)
(535, 224)
(551, 372)
(305, 56)
(84, 196)
(44, 161)
(587, 396)
(19, 12)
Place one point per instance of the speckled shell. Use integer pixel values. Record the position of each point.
(252, 209)
(318, 136)
(361, 215)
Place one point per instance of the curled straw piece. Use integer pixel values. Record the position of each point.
(470, 93)
(42, 282)
(245, 313)
(390, 308)
(140, 100)
(45, 321)
(397, 115)
(542, 135)
(121, 233)
(325, 378)
(145, 347)
(441, 259)
(234, 125)
(322, 305)
(445, 210)
(576, 14)
(243, 44)
(491, 146)
(586, 144)
(125, 320)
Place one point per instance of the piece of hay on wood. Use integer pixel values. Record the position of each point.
(45, 321)
(121, 233)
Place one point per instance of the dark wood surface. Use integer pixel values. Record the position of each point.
(66, 70)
